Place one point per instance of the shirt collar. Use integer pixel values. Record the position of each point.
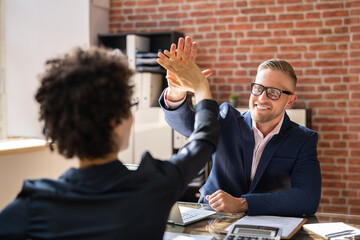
(273, 132)
(94, 172)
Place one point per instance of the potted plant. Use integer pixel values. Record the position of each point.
(233, 99)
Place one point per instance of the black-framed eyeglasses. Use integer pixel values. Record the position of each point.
(271, 92)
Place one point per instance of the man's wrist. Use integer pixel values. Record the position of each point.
(172, 104)
(203, 92)
(174, 96)
(243, 207)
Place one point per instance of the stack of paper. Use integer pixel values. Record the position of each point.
(334, 230)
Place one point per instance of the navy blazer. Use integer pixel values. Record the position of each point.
(287, 180)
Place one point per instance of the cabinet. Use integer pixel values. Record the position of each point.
(158, 40)
(129, 44)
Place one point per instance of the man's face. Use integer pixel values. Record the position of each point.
(263, 109)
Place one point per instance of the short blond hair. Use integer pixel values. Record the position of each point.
(279, 65)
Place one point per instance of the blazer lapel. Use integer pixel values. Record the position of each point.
(269, 151)
(248, 143)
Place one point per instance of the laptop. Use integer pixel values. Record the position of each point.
(181, 215)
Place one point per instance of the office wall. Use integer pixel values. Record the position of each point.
(320, 38)
(29, 164)
(36, 30)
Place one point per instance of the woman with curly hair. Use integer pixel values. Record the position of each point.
(85, 101)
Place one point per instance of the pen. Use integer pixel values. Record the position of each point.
(338, 234)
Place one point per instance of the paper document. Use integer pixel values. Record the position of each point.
(288, 225)
(334, 230)
(185, 236)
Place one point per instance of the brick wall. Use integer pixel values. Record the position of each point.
(320, 38)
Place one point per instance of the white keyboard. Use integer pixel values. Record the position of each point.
(190, 216)
(193, 214)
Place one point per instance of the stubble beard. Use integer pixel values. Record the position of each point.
(263, 118)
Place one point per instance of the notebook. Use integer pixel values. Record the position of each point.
(185, 215)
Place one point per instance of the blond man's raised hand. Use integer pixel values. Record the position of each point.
(188, 49)
(187, 76)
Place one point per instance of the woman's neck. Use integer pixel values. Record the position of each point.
(89, 162)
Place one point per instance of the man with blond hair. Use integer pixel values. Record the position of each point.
(265, 163)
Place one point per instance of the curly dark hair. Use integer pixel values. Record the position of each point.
(82, 95)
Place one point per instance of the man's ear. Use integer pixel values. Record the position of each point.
(291, 101)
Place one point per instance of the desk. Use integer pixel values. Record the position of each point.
(215, 224)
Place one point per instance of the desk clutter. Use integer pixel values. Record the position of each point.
(219, 225)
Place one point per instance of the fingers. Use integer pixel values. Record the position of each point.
(190, 48)
(215, 195)
(182, 55)
(207, 72)
(173, 48)
(167, 58)
(165, 65)
(217, 205)
(193, 52)
(187, 46)
(164, 61)
(216, 200)
(173, 65)
(180, 46)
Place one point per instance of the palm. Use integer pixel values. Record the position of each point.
(189, 49)
(171, 77)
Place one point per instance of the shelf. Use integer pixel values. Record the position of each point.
(158, 40)
(12, 146)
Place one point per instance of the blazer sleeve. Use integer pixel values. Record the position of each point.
(304, 195)
(180, 119)
(14, 220)
(202, 143)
